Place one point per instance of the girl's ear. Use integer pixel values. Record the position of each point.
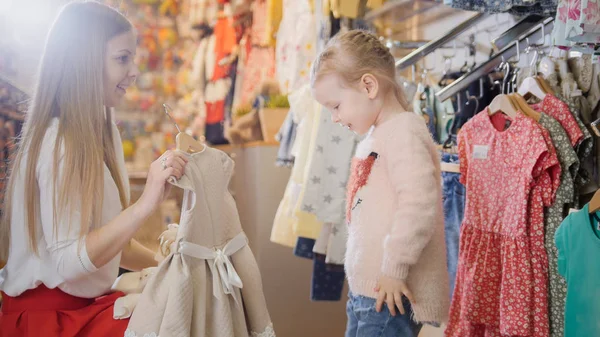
(370, 85)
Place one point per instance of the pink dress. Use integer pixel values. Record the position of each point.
(509, 176)
(577, 21)
(260, 65)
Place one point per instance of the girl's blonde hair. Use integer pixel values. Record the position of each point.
(355, 53)
(69, 87)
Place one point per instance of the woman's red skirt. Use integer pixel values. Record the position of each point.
(53, 313)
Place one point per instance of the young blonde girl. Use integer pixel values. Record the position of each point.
(67, 225)
(395, 260)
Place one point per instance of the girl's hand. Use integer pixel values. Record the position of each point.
(390, 291)
(170, 164)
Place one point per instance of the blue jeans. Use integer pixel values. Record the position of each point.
(454, 209)
(365, 321)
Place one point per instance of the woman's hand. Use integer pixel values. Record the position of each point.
(390, 291)
(157, 189)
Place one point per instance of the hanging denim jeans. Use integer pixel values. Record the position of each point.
(454, 208)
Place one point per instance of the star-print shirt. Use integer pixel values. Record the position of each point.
(508, 168)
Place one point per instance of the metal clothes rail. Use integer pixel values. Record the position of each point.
(516, 46)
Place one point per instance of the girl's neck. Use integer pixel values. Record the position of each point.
(391, 107)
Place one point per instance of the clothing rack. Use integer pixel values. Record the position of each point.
(512, 49)
(430, 47)
(517, 30)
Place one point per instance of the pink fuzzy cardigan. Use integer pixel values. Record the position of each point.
(395, 216)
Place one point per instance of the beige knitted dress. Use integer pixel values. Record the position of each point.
(211, 285)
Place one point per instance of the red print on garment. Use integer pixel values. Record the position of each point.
(360, 172)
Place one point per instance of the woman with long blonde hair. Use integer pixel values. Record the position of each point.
(68, 225)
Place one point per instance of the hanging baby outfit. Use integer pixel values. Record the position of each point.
(260, 66)
(210, 286)
(577, 21)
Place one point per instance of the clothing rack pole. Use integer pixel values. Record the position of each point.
(517, 30)
(430, 47)
(534, 34)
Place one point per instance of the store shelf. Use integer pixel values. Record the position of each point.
(141, 175)
(230, 147)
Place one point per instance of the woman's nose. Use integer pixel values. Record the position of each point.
(134, 72)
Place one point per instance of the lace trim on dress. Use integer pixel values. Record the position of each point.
(269, 332)
(130, 333)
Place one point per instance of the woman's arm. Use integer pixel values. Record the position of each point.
(137, 257)
(72, 258)
(104, 243)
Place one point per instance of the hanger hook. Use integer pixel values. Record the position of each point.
(167, 109)
(518, 51)
(480, 88)
(506, 70)
(534, 63)
(453, 48)
(543, 27)
(514, 79)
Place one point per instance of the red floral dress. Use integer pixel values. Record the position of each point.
(499, 268)
(560, 111)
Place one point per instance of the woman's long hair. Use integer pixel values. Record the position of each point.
(69, 87)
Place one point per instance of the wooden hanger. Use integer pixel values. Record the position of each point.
(183, 141)
(544, 85)
(531, 87)
(450, 167)
(594, 205)
(522, 105)
(502, 103)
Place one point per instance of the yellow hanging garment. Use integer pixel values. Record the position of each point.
(274, 15)
(374, 4)
(349, 8)
(285, 223)
(326, 8)
(334, 6)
